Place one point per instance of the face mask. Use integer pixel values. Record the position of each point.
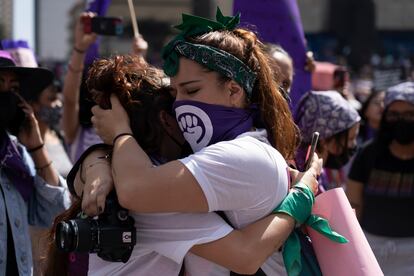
(402, 131)
(50, 116)
(11, 115)
(338, 161)
(206, 124)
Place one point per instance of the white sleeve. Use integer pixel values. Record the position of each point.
(240, 174)
(173, 234)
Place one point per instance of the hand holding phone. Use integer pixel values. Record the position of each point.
(311, 150)
(111, 26)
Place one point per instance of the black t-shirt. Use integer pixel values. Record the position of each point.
(388, 195)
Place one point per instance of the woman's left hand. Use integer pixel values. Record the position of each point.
(29, 135)
(110, 122)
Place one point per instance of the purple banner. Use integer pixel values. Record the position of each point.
(278, 21)
(99, 7)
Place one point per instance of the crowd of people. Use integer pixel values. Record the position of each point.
(207, 155)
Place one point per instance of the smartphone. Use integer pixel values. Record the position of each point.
(311, 150)
(111, 26)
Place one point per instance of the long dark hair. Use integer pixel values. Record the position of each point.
(141, 90)
(363, 130)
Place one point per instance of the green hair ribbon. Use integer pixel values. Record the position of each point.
(213, 58)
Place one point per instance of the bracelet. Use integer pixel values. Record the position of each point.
(44, 167)
(80, 51)
(120, 135)
(73, 70)
(105, 157)
(35, 148)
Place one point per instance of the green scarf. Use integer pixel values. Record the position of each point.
(298, 204)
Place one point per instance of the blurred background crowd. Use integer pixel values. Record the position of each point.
(373, 38)
(359, 48)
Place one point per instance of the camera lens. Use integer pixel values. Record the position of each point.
(78, 235)
(65, 236)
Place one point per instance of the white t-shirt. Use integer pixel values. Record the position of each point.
(162, 242)
(246, 178)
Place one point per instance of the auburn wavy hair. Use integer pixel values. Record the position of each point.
(142, 91)
(283, 133)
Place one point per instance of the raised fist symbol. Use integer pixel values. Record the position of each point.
(190, 128)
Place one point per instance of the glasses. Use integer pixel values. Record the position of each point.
(394, 116)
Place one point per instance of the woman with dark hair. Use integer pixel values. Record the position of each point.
(371, 113)
(31, 190)
(236, 120)
(337, 122)
(381, 184)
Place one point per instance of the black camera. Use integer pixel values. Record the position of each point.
(112, 235)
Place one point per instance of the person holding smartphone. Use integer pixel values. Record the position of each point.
(337, 122)
(76, 118)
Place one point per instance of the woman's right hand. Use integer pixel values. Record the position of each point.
(309, 177)
(83, 40)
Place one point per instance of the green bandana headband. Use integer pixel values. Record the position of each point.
(210, 57)
(219, 61)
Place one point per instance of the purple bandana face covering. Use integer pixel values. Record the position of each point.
(206, 124)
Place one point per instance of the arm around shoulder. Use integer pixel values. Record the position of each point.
(142, 187)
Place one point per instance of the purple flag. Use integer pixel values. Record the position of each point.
(99, 7)
(278, 21)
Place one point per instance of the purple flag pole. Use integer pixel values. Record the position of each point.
(99, 7)
(278, 21)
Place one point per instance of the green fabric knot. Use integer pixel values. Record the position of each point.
(192, 26)
(196, 25)
(298, 204)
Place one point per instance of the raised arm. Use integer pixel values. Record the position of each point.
(73, 78)
(31, 138)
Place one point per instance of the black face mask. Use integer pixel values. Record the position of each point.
(338, 161)
(12, 116)
(402, 131)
